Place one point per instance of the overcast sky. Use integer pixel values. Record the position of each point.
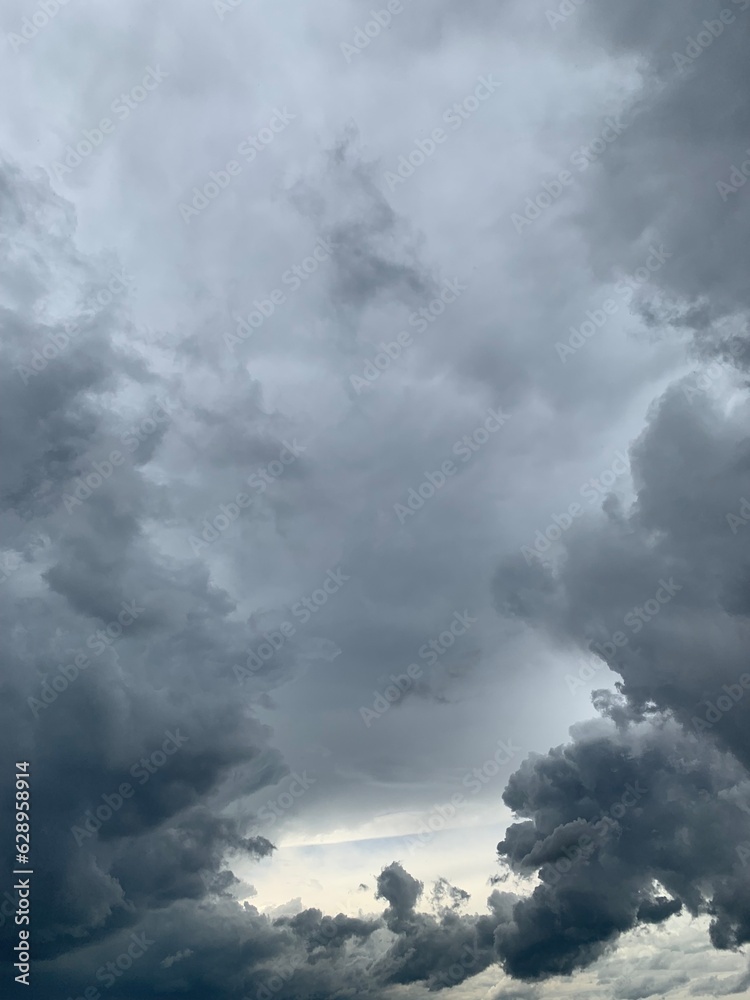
(376, 497)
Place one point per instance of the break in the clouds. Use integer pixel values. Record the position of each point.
(374, 400)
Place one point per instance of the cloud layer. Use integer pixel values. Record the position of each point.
(309, 448)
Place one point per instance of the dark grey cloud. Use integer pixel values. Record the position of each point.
(610, 822)
(127, 688)
(677, 650)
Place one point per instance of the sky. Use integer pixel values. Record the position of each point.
(375, 499)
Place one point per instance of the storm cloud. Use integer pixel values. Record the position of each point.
(422, 429)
